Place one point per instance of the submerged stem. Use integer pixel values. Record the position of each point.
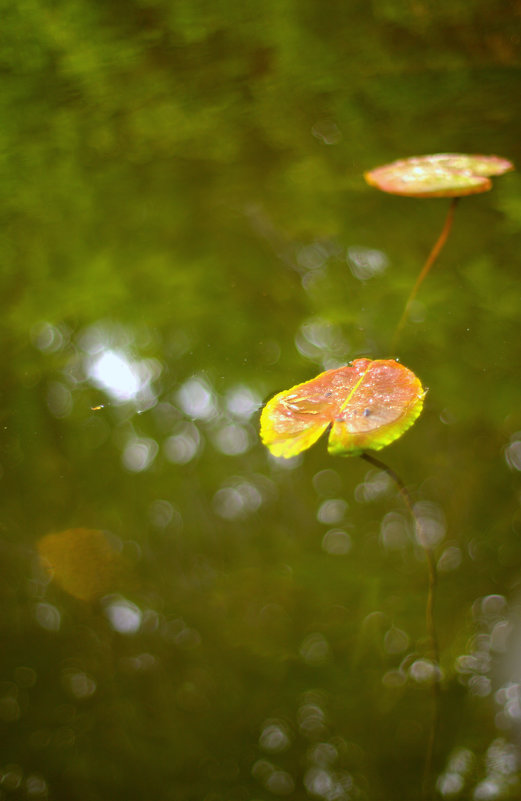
(429, 612)
(431, 258)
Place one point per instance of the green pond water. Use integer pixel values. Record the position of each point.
(186, 231)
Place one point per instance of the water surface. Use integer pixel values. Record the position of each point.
(186, 231)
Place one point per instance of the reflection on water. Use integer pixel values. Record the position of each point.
(196, 399)
(322, 342)
(124, 616)
(365, 263)
(181, 446)
(123, 377)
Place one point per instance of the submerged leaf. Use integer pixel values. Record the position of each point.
(82, 561)
(368, 405)
(438, 175)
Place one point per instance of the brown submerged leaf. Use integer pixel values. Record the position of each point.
(82, 561)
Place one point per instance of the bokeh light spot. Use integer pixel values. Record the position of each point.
(47, 616)
(332, 511)
(183, 444)
(337, 542)
(315, 650)
(124, 616)
(366, 263)
(197, 400)
(274, 736)
(139, 453)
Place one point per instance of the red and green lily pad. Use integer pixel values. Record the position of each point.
(438, 175)
(367, 404)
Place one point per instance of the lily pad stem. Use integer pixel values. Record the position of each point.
(429, 611)
(433, 255)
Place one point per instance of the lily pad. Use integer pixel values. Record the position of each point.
(438, 175)
(368, 404)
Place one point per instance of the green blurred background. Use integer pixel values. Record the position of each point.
(185, 231)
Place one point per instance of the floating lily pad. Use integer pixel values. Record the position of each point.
(439, 175)
(368, 405)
